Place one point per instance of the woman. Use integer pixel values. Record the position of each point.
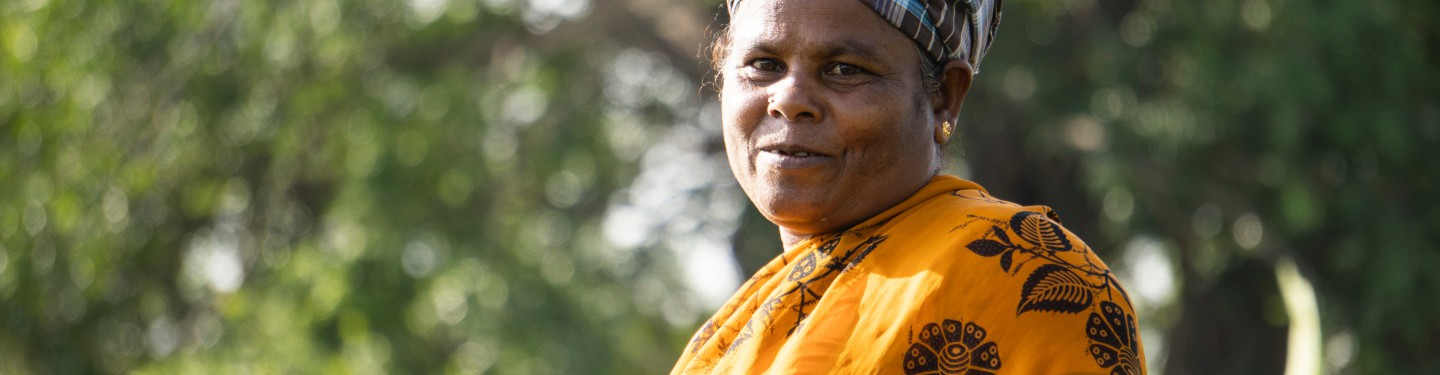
(835, 115)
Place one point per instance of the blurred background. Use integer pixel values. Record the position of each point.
(538, 186)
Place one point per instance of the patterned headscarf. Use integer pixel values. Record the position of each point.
(946, 29)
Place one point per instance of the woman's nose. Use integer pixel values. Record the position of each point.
(794, 99)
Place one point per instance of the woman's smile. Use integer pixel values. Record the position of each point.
(790, 156)
(780, 160)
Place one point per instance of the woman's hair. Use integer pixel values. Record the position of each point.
(930, 70)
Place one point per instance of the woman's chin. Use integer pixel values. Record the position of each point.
(798, 216)
(810, 204)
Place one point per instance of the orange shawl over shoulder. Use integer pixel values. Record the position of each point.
(950, 281)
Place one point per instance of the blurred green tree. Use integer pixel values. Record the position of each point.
(1231, 139)
(336, 186)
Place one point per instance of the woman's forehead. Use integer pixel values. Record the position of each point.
(942, 29)
(829, 26)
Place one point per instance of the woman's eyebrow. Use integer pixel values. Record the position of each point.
(755, 48)
(850, 47)
(845, 47)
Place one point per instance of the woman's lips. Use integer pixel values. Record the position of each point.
(792, 159)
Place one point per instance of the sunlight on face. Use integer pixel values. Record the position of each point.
(826, 122)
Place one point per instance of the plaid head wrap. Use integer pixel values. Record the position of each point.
(946, 29)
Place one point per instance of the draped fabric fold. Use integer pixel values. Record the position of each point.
(950, 281)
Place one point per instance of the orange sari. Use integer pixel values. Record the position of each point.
(950, 281)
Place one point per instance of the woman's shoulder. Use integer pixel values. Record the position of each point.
(1029, 292)
(1012, 225)
(1037, 288)
(974, 211)
(965, 224)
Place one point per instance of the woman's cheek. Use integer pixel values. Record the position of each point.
(744, 108)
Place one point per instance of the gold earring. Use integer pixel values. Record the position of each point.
(945, 128)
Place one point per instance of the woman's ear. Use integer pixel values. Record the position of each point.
(954, 85)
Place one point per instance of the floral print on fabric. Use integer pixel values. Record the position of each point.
(901, 281)
(1112, 339)
(807, 281)
(952, 347)
(1066, 282)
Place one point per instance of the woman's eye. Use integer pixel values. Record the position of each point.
(765, 65)
(844, 69)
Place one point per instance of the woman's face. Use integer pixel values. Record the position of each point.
(826, 121)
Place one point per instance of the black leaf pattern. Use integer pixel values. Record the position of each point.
(1002, 236)
(1040, 231)
(870, 244)
(986, 248)
(1058, 285)
(1055, 288)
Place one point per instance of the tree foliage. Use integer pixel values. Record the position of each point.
(1231, 138)
(352, 186)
